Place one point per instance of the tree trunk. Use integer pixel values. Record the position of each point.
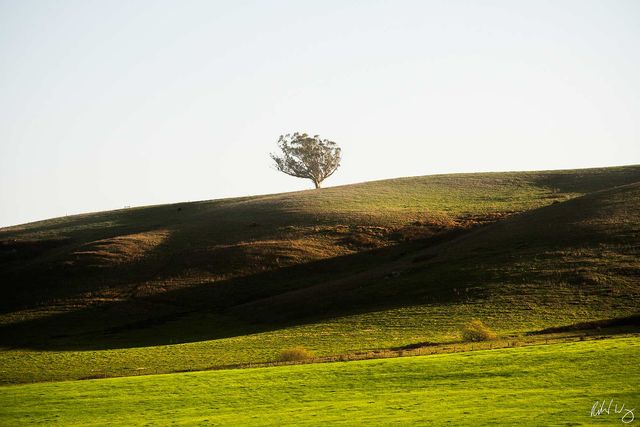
(317, 184)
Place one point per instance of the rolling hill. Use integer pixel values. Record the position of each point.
(352, 268)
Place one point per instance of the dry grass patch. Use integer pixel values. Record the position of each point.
(121, 249)
(295, 354)
(475, 330)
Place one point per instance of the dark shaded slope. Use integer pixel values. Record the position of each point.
(583, 251)
(119, 255)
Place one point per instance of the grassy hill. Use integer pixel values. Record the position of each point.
(340, 270)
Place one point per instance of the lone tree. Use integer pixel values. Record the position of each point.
(309, 157)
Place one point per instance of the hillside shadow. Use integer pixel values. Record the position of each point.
(40, 270)
(218, 310)
(588, 180)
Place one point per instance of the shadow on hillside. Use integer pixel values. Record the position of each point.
(588, 180)
(261, 302)
(33, 274)
(54, 279)
(37, 271)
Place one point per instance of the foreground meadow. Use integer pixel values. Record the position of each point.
(358, 336)
(538, 385)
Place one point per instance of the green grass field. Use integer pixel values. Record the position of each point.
(541, 385)
(342, 336)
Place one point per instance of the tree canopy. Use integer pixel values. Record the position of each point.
(305, 156)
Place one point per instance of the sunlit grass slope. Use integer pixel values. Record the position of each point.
(542, 385)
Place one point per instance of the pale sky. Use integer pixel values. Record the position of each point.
(105, 104)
